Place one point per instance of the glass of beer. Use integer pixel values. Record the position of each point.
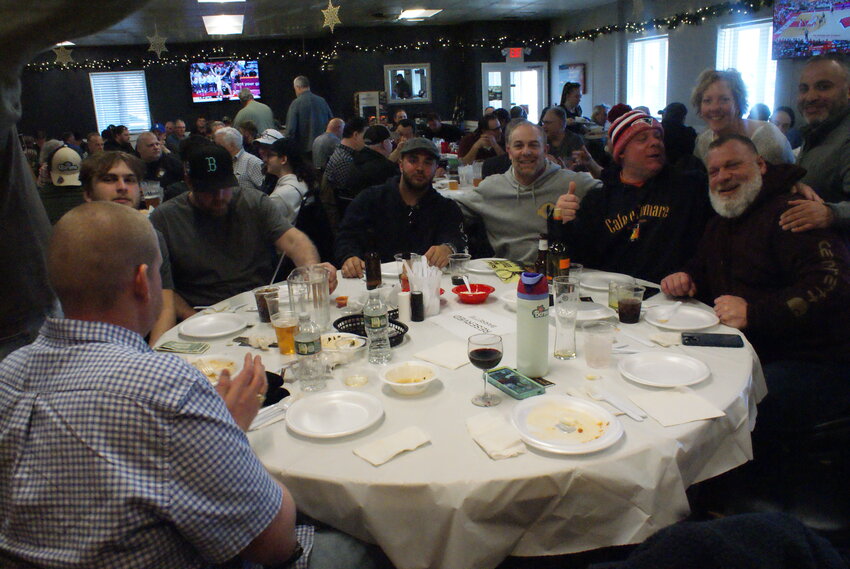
(285, 324)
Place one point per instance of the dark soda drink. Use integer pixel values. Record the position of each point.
(629, 310)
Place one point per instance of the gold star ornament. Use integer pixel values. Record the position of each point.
(63, 55)
(157, 43)
(331, 14)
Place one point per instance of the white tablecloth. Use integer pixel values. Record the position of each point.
(449, 505)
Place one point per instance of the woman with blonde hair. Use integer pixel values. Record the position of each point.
(720, 98)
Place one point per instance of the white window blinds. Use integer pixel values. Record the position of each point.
(646, 82)
(748, 48)
(121, 97)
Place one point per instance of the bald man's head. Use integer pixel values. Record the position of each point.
(335, 126)
(95, 252)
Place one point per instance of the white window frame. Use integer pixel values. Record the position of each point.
(121, 97)
(753, 60)
(641, 73)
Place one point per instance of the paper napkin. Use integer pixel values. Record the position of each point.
(675, 406)
(450, 355)
(667, 339)
(498, 438)
(380, 451)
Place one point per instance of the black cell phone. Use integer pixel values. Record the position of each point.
(650, 292)
(712, 340)
(585, 299)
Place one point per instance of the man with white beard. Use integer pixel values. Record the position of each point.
(789, 292)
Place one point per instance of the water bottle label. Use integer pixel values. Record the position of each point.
(375, 322)
(541, 311)
(308, 348)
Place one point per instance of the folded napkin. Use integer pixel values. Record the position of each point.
(380, 451)
(450, 355)
(667, 339)
(498, 438)
(675, 406)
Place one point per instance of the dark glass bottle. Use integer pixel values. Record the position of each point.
(373, 270)
(540, 264)
(559, 254)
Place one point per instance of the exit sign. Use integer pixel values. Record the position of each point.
(515, 54)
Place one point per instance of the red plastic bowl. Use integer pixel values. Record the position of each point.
(479, 293)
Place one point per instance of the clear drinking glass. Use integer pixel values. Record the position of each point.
(459, 267)
(598, 341)
(485, 352)
(630, 298)
(566, 293)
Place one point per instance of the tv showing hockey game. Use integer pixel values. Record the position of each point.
(222, 80)
(803, 29)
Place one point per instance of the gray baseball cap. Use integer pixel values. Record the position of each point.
(420, 144)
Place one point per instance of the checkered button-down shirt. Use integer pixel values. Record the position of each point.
(248, 169)
(112, 455)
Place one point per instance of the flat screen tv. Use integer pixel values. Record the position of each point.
(803, 29)
(222, 80)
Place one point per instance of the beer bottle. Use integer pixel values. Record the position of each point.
(540, 264)
(373, 264)
(559, 255)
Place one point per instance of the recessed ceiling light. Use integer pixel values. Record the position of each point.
(223, 25)
(217, 1)
(418, 14)
(65, 43)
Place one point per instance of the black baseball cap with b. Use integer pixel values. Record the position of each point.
(211, 169)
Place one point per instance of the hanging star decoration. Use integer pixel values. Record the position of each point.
(331, 14)
(63, 55)
(157, 43)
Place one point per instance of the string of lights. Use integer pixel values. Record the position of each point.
(326, 52)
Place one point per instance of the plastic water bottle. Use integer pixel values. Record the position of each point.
(310, 367)
(377, 326)
(532, 325)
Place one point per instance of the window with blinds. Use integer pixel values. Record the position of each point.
(748, 47)
(121, 97)
(646, 81)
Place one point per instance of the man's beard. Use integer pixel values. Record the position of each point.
(735, 206)
(413, 186)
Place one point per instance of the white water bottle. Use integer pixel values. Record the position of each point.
(532, 325)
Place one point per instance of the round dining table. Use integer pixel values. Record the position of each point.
(448, 504)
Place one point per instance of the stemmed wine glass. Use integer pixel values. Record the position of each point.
(485, 352)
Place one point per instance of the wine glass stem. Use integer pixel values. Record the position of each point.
(484, 375)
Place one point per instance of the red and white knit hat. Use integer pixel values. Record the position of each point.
(627, 127)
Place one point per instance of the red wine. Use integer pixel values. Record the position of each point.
(485, 358)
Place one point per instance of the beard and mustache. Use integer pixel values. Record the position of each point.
(735, 205)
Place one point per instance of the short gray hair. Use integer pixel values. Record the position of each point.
(245, 94)
(230, 136)
(301, 82)
(515, 123)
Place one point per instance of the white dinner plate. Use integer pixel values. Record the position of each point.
(214, 363)
(593, 311)
(536, 418)
(509, 298)
(685, 318)
(480, 266)
(663, 369)
(598, 280)
(334, 414)
(212, 325)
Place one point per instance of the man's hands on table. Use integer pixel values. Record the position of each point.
(353, 268)
(438, 255)
(332, 281)
(732, 311)
(244, 394)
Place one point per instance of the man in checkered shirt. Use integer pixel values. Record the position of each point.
(112, 455)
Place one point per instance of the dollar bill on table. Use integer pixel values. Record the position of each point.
(184, 347)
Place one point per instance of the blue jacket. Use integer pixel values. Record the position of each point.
(307, 118)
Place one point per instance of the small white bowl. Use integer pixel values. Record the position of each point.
(422, 372)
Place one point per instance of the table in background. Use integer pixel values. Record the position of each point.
(449, 505)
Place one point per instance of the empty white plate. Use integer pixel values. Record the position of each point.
(537, 420)
(212, 325)
(598, 280)
(593, 311)
(685, 318)
(389, 270)
(480, 266)
(334, 414)
(663, 369)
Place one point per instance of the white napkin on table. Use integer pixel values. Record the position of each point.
(380, 451)
(675, 406)
(450, 355)
(667, 339)
(498, 438)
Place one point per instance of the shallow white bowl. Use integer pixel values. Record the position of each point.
(405, 370)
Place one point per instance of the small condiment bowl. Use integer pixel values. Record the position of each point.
(409, 378)
(479, 293)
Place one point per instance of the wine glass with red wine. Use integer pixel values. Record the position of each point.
(485, 352)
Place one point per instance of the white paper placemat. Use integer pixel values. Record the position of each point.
(465, 322)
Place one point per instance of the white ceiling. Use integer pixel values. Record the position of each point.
(181, 20)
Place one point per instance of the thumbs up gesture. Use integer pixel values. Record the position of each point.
(569, 204)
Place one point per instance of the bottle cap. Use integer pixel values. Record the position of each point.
(532, 286)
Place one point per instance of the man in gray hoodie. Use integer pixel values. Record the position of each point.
(514, 205)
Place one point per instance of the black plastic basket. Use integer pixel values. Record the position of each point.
(353, 324)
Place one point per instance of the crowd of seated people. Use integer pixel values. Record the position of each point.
(659, 203)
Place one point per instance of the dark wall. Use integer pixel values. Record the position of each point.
(58, 100)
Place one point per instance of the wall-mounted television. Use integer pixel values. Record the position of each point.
(222, 80)
(803, 29)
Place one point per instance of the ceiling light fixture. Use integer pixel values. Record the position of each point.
(218, 1)
(417, 15)
(223, 25)
(65, 43)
